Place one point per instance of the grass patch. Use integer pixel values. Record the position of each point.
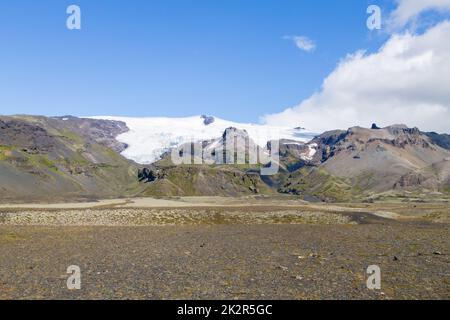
(46, 162)
(5, 152)
(9, 237)
(72, 136)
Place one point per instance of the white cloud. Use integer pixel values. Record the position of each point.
(409, 10)
(302, 42)
(406, 81)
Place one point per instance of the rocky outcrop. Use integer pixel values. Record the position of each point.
(148, 175)
(207, 120)
(375, 127)
(415, 180)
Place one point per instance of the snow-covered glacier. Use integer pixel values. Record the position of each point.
(149, 138)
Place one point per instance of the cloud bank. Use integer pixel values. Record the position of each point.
(406, 81)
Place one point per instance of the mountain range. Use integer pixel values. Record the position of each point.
(61, 158)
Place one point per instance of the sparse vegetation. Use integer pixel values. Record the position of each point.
(5, 152)
(291, 249)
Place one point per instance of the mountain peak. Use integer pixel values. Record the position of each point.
(232, 131)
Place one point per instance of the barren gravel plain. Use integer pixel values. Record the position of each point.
(219, 248)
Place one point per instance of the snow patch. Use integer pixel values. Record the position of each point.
(312, 150)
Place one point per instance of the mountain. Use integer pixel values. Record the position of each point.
(62, 158)
(361, 162)
(219, 170)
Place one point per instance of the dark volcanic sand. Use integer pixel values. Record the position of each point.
(227, 261)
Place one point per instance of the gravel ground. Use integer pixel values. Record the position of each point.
(320, 258)
(164, 217)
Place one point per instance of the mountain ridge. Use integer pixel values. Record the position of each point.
(48, 158)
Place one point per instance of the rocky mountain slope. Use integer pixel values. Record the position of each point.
(62, 158)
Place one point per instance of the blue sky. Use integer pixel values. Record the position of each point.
(174, 57)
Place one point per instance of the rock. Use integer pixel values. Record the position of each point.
(395, 258)
(437, 253)
(233, 132)
(253, 189)
(207, 120)
(146, 174)
(415, 179)
(150, 175)
(375, 127)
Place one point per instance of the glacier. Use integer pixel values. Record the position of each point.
(150, 137)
